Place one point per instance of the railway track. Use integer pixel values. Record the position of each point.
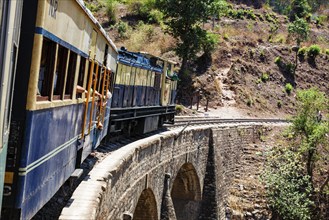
(196, 121)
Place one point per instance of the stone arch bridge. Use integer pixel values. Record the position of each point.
(167, 176)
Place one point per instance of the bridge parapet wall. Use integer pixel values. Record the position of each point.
(113, 188)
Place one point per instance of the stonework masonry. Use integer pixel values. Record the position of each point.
(166, 176)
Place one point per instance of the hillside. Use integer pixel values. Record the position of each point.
(242, 72)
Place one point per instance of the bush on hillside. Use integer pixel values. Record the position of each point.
(288, 88)
(278, 60)
(111, 10)
(155, 16)
(302, 52)
(313, 51)
(209, 43)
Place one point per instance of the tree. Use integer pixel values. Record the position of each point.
(299, 31)
(291, 187)
(299, 9)
(309, 129)
(183, 19)
(218, 9)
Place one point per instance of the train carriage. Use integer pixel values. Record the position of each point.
(10, 18)
(143, 94)
(54, 127)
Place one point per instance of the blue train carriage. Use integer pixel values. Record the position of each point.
(10, 19)
(54, 127)
(143, 94)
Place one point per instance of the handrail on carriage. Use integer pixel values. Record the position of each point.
(91, 70)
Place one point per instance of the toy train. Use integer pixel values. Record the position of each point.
(66, 68)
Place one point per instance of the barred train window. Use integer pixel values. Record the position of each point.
(70, 75)
(82, 69)
(46, 70)
(60, 72)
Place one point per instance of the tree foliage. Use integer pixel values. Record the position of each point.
(299, 31)
(292, 190)
(184, 19)
(299, 9)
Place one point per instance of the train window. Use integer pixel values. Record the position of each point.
(82, 69)
(144, 75)
(149, 78)
(60, 72)
(70, 75)
(118, 75)
(96, 69)
(133, 76)
(157, 83)
(100, 79)
(152, 79)
(122, 74)
(46, 69)
(127, 75)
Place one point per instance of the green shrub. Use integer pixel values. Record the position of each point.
(290, 68)
(288, 188)
(225, 37)
(288, 88)
(240, 14)
(313, 51)
(320, 19)
(123, 28)
(209, 43)
(156, 16)
(250, 14)
(279, 104)
(179, 108)
(93, 7)
(265, 77)
(141, 7)
(270, 18)
(111, 11)
(232, 13)
(302, 51)
(278, 60)
(250, 102)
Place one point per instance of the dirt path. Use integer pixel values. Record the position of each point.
(228, 110)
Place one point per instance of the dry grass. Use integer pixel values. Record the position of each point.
(217, 86)
(151, 39)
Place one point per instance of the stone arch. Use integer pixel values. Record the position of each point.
(186, 193)
(146, 208)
